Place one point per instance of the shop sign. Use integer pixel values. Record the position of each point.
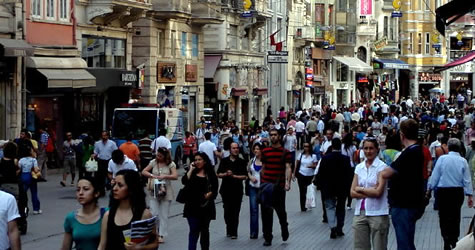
(309, 84)
(191, 72)
(166, 72)
(128, 78)
(429, 77)
(141, 78)
(224, 91)
(468, 67)
(380, 44)
(277, 56)
(366, 7)
(342, 85)
(319, 90)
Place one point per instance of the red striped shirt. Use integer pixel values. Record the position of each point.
(274, 164)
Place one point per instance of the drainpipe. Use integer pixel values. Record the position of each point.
(23, 69)
(73, 19)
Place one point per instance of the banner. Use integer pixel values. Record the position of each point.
(366, 7)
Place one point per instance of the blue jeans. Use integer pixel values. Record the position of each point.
(254, 206)
(29, 183)
(199, 228)
(404, 222)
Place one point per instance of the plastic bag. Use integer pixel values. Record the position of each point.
(91, 165)
(310, 202)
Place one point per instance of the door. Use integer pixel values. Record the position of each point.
(244, 112)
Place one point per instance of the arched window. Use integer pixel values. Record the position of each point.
(361, 54)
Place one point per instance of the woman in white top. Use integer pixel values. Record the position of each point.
(254, 174)
(304, 170)
(371, 220)
(348, 148)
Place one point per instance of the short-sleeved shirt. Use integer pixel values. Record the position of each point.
(406, 186)
(229, 184)
(160, 142)
(274, 166)
(8, 213)
(305, 162)
(104, 150)
(145, 150)
(85, 236)
(208, 148)
(27, 163)
(130, 150)
(127, 164)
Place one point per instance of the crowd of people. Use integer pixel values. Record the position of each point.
(387, 157)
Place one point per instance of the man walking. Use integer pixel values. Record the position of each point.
(275, 181)
(103, 153)
(200, 133)
(232, 170)
(130, 149)
(42, 156)
(335, 176)
(406, 186)
(209, 148)
(161, 141)
(9, 234)
(69, 163)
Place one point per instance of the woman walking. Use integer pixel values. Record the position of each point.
(29, 169)
(163, 169)
(83, 226)
(371, 221)
(348, 148)
(305, 167)
(201, 187)
(254, 174)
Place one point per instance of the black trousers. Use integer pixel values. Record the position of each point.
(232, 208)
(450, 204)
(101, 174)
(303, 182)
(278, 204)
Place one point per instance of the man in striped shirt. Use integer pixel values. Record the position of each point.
(276, 171)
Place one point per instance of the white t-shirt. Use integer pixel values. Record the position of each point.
(384, 108)
(299, 127)
(160, 142)
(327, 144)
(305, 162)
(208, 147)
(349, 152)
(290, 142)
(8, 212)
(127, 164)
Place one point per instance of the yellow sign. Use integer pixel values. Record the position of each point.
(247, 4)
(397, 4)
(459, 36)
(435, 38)
(380, 44)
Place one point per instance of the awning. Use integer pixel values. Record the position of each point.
(354, 64)
(14, 48)
(260, 91)
(392, 63)
(68, 78)
(211, 64)
(238, 91)
(56, 63)
(464, 59)
(452, 10)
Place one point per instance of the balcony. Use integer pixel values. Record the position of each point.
(456, 54)
(206, 12)
(167, 9)
(235, 6)
(104, 12)
(303, 35)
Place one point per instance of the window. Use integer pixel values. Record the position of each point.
(281, 32)
(36, 8)
(386, 26)
(342, 5)
(426, 4)
(101, 52)
(419, 43)
(393, 24)
(427, 44)
(194, 45)
(232, 38)
(173, 43)
(341, 72)
(330, 15)
(160, 43)
(50, 9)
(411, 39)
(63, 10)
(183, 44)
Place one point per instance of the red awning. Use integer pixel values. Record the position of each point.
(260, 91)
(238, 91)
(464, 59)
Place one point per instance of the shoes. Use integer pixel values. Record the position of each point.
(303, 210)
(161, 240)
(333, 233)
(37, 212)
(285, 233)
(72, 184)
(42, 179)
(233, 237)
(348, 208)
(340, 233)
(253, 237)
(325, 220)
(267, 243)
(62, 183)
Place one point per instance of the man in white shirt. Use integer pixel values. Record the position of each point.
(119, 162)
(320, 126)
(299, 129)
(328, 142)
(9, 233)
(161, 141)
(200, 133)
(385, 109)
(209, 148)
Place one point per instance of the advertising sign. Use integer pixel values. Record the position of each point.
(366, 7)
(277, 56)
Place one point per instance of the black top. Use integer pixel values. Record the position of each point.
(406, 186)
(335, 174)
(24, 147)
(196, 187)
(231, 185)
(115, 236)
(8, 171)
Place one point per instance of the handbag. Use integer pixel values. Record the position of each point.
(182, 195)
(91, 165)
(35, 174)
(310, 197)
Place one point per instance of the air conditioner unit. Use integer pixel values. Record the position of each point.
(373, 21)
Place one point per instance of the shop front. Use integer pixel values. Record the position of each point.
(427, 81)
(391, 76)
(461, 77)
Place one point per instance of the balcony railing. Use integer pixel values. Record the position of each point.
(175, 6)
(206, 11)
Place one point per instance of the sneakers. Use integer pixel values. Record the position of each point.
(348, 208)
(233, 237)
(37, 212)
(267, 243)
(62, 183)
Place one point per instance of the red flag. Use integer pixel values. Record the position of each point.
(278, 46)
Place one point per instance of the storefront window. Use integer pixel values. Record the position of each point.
(103, 52)
(341, 72)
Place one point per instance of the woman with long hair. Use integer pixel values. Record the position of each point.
(163, 169)
(29, 168)
(254, 173)
(371, 220)
(83, 226)
(348, 148)
(127, 204)
(201, 187)
(304, 170)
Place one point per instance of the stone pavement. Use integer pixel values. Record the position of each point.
(306, 229)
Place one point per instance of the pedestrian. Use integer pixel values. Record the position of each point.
(452, 178)
(334, 176)
(127, 204)
(200, 133)
(69, 162)
(232, 171)
(45, 149)
(83, 226)
(299, 133)
(161, 141)
(103, 153)
(162, 169)
(9, 170)
(9, 233)
(275, 181)
(371, 220)
(209, 148)
(406, 189)
(349, 149)
(189, 147)
(29, 168)
(87, 152)
(130, 149)
(303, 172)
(118, 162)
(145, 151)
(254, 173)
(25, 146)
(201, 185)
(290, 143)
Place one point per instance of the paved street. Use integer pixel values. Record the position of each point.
(306, 230)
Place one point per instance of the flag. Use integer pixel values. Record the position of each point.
(278, 46)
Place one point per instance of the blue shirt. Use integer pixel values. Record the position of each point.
(451, 170)
(264, 134)
(104, 150)
(215, 139)
(44, 138)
